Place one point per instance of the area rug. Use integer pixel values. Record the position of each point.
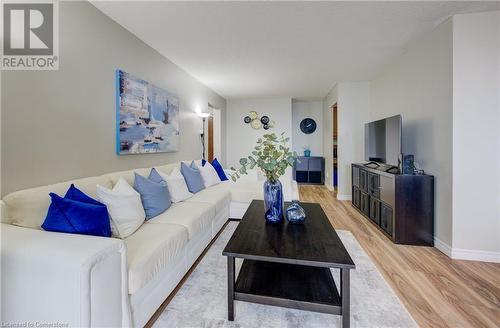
(202, 300)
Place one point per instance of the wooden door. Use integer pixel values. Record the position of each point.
(210, 136)
(335, 122)
(335, 154)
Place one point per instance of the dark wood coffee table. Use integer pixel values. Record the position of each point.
(288, 265)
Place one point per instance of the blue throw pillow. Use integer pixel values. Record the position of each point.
(154, 195)
(192, 176)
(220, 171)
(71, 216)
(156, 177)
(74, 193)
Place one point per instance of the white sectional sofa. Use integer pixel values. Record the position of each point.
(84, 281)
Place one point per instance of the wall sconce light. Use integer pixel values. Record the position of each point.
(203, 116)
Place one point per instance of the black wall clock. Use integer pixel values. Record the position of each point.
(308, 125)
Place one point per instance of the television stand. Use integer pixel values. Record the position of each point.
(401, 206)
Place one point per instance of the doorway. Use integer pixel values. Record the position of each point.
(335, 150)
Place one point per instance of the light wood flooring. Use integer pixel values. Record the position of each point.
(437, 291)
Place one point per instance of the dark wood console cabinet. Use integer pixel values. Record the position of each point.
(401, 206)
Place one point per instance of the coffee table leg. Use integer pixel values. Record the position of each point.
(345, 289)
(230, 288)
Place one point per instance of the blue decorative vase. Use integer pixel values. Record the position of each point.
(273, 201)
(295, 214)
(307, 153)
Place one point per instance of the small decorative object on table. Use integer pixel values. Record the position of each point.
(295, 214)
(273, 201)
(307, 151)
(272, 155)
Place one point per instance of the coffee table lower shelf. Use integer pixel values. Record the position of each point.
(288, 285)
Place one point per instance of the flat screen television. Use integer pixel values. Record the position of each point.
(383, 140)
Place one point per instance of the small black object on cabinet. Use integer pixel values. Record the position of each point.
(401, 206)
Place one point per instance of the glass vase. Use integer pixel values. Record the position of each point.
(273, 201)
(295, 214)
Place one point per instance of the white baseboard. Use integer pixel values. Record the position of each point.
(344, 197)
(466, 254)
(331, 188)
(442, 246)
(473, 255)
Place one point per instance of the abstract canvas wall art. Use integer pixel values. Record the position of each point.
(147, 117)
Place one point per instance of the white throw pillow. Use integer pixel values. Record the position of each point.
(176, 184)
(208, 174)
(124, 207)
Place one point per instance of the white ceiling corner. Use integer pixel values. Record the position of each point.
(293, 49)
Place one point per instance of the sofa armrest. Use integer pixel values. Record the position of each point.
(50, 277)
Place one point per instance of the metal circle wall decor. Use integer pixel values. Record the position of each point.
(257, 122)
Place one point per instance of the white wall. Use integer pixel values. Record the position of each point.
(61, 124)
(0, 136)
(300, 111)
(476, 135)
(241, 137)
(353, 108)
(330, 100)
(446, 86)
(418, 85)
(353, 111)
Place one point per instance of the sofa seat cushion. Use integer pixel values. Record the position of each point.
(151, 250)
(196, 218)
(219, 197)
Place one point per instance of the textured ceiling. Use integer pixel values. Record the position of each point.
(295, 49)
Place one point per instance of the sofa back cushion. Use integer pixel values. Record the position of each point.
(28, 208)
(129, 176)
(168, 168)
